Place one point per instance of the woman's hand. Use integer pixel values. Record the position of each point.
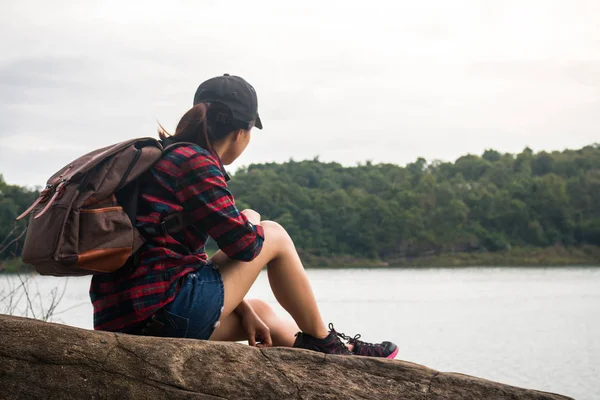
(252, 216)
(258, 332)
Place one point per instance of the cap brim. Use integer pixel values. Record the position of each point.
(258, 122)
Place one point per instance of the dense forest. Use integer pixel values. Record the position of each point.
(387, 213)
(490, 203)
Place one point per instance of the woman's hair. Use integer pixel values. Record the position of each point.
(202, 125)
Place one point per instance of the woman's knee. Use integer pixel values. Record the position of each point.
(261, 307)
(269, 225)
(275, 232)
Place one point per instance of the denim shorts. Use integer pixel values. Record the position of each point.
(197, 308)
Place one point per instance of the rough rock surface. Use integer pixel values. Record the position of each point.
(41, 360)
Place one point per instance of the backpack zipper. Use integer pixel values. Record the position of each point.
(57, 184)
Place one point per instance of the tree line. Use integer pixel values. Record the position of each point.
(491, 203)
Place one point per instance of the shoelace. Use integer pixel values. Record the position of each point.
(352, 340)
(355, 341)
(338, 336)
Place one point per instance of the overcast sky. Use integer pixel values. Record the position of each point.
(386, 81)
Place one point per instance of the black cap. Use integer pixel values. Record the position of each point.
(235, 93)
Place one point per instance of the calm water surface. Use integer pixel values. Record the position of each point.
(535, 328)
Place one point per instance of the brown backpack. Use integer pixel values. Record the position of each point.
(84, 220)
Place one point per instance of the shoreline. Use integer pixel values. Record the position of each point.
(556, 256)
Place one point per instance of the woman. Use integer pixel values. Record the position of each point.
(175, 290)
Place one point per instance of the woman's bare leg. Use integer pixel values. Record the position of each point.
(282, 331)
(287, 277)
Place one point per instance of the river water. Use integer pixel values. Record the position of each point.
(537, 328)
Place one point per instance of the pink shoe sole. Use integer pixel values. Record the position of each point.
(393, 355)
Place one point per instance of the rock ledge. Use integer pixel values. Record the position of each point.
(41, 360)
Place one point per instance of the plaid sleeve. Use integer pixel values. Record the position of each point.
(203, 192)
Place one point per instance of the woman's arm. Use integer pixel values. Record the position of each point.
(243, 308)
(257, 332)
(203, 192)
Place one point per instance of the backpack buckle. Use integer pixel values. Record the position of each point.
(162, 228)
(174, 223)
(58, 193)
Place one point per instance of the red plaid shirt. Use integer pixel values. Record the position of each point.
(188, 178)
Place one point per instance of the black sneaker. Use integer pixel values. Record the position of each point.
(329, 345)
(384, 349)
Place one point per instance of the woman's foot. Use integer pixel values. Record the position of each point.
(383, 350)
(331, 344)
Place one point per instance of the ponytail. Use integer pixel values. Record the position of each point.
(200, 125)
